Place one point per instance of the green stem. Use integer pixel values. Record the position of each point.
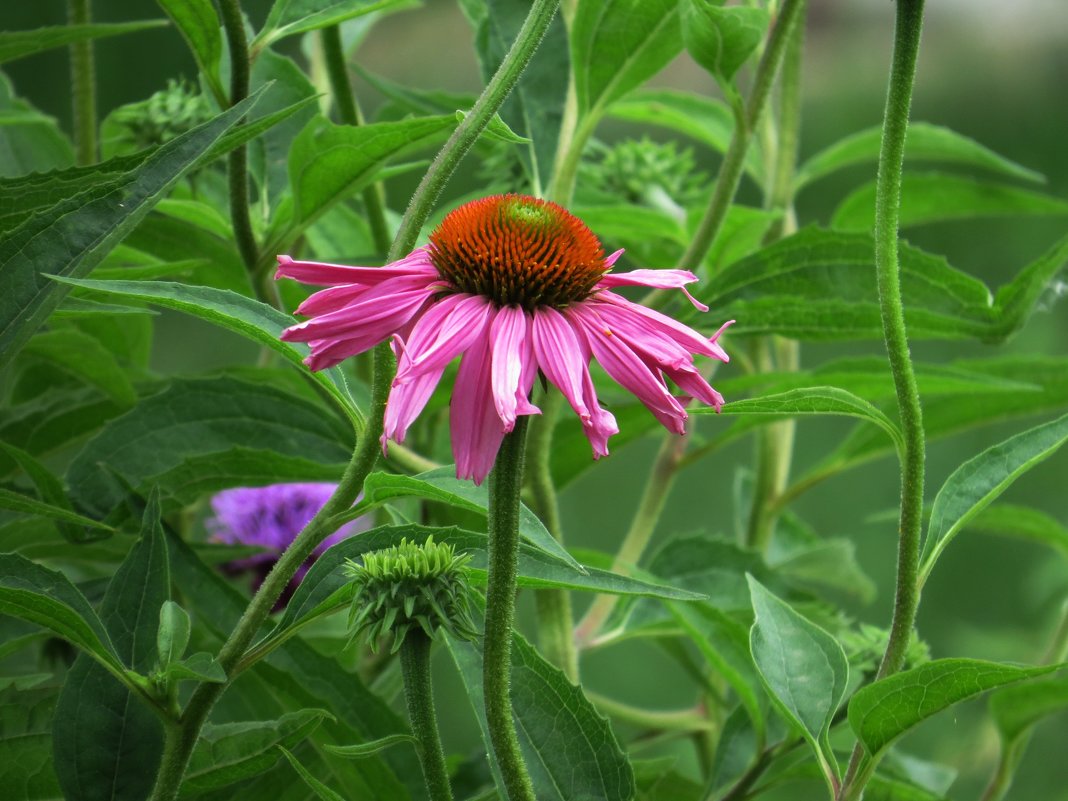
(661, 479)
(349, 113)
(234, 24)
(419, 694)
(505, 484)
(730, 171)
(83, 82)
(887, 209)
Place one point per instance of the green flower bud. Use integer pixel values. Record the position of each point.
(644, 172)
(410, 585)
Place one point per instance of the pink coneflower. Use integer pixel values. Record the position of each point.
(515, 285)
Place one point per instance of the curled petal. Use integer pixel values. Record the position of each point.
(693, 341)
(405, 403)
(510, 360)
(477, 430)
(657, 279)
(443, 332)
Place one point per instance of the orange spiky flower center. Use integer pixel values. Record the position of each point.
(516, 249)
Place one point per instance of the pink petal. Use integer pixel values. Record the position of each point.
(386, 307)
(476, 428)
(446, 330)
(690, 339)
(405, 403)
(658, 279)
(612, 258)
(324, 274)
(511, 359)
(694, 384)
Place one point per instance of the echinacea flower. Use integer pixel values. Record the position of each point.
(515, 285)
(271, 517)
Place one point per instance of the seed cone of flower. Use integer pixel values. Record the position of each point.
(515, 286)
(410, 586)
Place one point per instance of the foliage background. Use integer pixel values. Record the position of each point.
(991, 70)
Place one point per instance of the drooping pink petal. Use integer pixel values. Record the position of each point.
(560, 357)
(324, 274)
(692, 340)
(331, 299)
(405, 403)
(511, 354)
(443, 332)
(477, 430)
(695, 385)
(627, 368)
(657, 279)
(661, 349)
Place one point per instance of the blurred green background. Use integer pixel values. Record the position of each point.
(995, 71)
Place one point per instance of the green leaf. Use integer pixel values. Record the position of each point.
(616, 45)
(17, 502)
(361, 750)
(173, 634)
(925, 142)
(207, 423)
(328, 162)
(199, 25)
(86, 358)
(107, 741)
(810, 400)
(886, 709)
(320, 789)
(803, 668)
(935, 197)
(1017, 300)
(722, 38)
(200, 666)
(34, 593)
(569, 747)
(72, 236)
(250, 318)
(288, 17)
(983, 478)
(49, 488)
(229, 752)
(1016, 709)
(29, 140)
(18, 44)
(806, 560)
(26, 771)
(1024, 522)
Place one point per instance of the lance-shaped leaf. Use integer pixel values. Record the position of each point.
(983, 478)
(803, 667)
(883, 711)
(18, 44)
(73, 236)
(107, 741)
(289, 17)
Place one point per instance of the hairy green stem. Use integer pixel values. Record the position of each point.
(505, 484)
(419, 695)
(234, 24)
(83, 83)
(887, 210)
(349, 113)
(730, 171)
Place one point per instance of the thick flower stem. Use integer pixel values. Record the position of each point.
(349, 113)
(234, 25)
(730, 172)
(505, 484)
(887, 211)
(83, 83)
(419, 694)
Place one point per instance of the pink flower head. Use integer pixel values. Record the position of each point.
(514, 285)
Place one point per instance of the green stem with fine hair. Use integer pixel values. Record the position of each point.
(730, 171)
(83, 83)
(505, 485)
(180, 739)
(888, 274)
(419, 695)
(234, 24)
(349, 113)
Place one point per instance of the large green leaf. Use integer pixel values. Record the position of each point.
(935, 197)
(72, 236)
(46, 597)
(108, 743)
(199, 25)
(269, 434)
(442, 485)
(803, 668)
(18, 44)
(29, 140)
(86, 358)
(883, 711)
(925, 142)
(569, 747)
(616, 45)
(288, 17)
(983, 478)
(26, 744)
(250, 318)
(722, 38)
(535, 106)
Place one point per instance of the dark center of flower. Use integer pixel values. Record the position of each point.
(516, 249)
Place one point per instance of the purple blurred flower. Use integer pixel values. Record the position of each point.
(271, 517)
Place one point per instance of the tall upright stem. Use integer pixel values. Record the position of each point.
(505, 484)
(419, 695)
(83, 82)
(234, 24)
(887, 212)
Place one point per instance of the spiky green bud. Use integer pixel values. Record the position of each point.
(409, 585)
(639, 171)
